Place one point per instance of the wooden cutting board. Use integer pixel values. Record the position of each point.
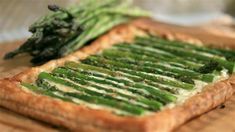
(221, 119)
(10, 121)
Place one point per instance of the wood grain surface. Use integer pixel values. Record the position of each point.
(221, 119)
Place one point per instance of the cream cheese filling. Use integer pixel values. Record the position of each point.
(199, 86)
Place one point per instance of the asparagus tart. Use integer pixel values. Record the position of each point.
(130, 79)
(145, 83)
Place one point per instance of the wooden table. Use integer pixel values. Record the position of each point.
(218, 120)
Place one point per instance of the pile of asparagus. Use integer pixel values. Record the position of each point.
(66, 30)
(136, 78)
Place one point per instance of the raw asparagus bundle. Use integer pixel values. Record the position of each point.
(136, 79)
(66, 30)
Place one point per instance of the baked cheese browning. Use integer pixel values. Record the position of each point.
(137, 78)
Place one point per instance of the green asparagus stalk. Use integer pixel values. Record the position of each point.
(163, 68)
(112, 94)
(95, 31)
(156, 53)
(43, 91)
(156, 93)
(66, 30)
(126, 69)
(61, 81)
(111, 103)
(100, 100)
(228, 54)
(151, 104)
(136, 56)
(192, 55)
(114, 76)
(68, 96)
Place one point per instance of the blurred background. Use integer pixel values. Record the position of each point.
(17, 15)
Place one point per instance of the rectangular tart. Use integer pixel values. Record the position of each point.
(130, 79)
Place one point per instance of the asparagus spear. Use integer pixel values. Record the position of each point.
(69, 96)
(157, 94)
(228, 54)
(196, 55)
(156, 53)
(111, 103)
(114, 76)
(89, 95)
(137, 56)
(116, 66)
(95, 31)
(162, 68)
(43, 91)
(66, 30)
(115, 90)
(50, 90)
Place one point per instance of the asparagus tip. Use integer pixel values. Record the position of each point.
(9, 55)
(209, 67)
(54, 7)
